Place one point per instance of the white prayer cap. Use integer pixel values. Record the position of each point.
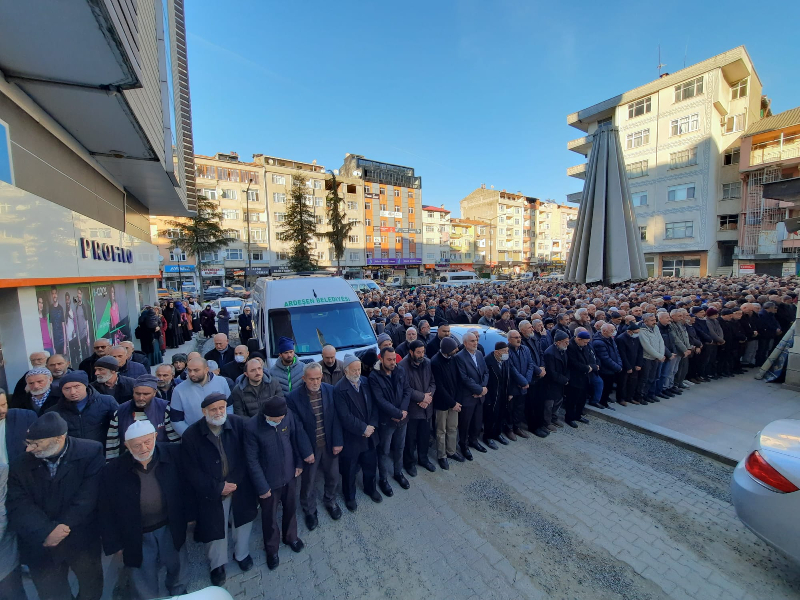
(139, 429)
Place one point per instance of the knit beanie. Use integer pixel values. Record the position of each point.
(49, 425)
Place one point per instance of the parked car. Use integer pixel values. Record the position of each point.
(364, 285)
(488, 336)
(234, 305)
(213, 292)
(765, 487)
(239, 291)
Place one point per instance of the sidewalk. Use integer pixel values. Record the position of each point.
(718, 418)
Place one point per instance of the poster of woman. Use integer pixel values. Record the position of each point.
(44, 322)
(65, 319)
(111, 312)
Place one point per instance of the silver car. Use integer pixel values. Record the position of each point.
(766, 487)
(487, 336)
(235, 307)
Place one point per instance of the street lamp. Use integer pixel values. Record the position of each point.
(178, 251)
(249, 254)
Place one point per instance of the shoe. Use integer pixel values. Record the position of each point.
(572, 424)
(607, 407)
(477, 446)
(490, 443)
(676, 390)
(427, 464)
(411, 470)
(312, 521)
(653, 399)
(351, 505)
(218, 575)
(246, 564)
(552, 427)
(386, 488)
(541, 432)
(583, 420)
(503, 439)
(466, 454)
(401, 479)
(558, 423)
(444, 464)
(633, 402)
(375, 496)
(519, 433)
(685, 385)
(296, 545)
(511, 436)
(456, 457)
(335, 511)
(664, 395)
(273, 560)
(622, 403)
(597, 405)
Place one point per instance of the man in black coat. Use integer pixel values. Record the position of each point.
(313, 405)
(580, 363)
(15, 423)
(533, 344)
(473, 377)
(552, 389)
(632, 355)
(215, 466)
(39, 393)
(145, 506)
(87, 412)
(419, 378)
(275, 446)
(359, 418)
(235, 368)
(109, 382)
(166, 382)
(57, 482)
(222, 353)
(497, 403)
(445, 402)
(432, 348)
(101, 348)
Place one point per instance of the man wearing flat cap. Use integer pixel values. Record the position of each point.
(215, 465)
(287, 370)
(52, 506)
(109, 382)
(146, 405)
(552, 392)
(275, 447)
(580, 363)
(86, 411)
(145, 506)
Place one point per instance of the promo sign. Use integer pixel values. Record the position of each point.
(97, 251)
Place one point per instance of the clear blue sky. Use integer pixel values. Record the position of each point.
(465, 92)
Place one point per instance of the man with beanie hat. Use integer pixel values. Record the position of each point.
(52, 506)
(287, 370)
(179, 362)
(275, 448)
(86, 411)
(109, 382)
(145, 506)
(215, 465)
(580, 365)
(419, 378)
(632, 357)
(359, 417)
(552, 392)
(384, 341)
(446, 402)
(146, 405)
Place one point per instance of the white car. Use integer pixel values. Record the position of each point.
(234, 305)
(766, 487)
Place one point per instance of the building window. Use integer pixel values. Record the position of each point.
(352, 205)
(731, 157)
(368, 222)
(279, 179)
(411, 210)
(280, 217)
(429, 228)
(232, 234)
(353, 239)
(638, 138)
(638, 108)
(735, 123)
(430, 255)
(354, 256)
(382, 191)
(384, 254)
(411, 226)
(233, 254)
(173, 234)
(680, 267)
(225, 174)
(739, 89)
(728, 222)
(252, 195)
(209, 257)
(368, 239)
(278, 198)
(410, 193)
(643, 233)
(229, 194)
(367, 206)
(229, 215)
(257, 256)
(481, 230)
(208, 193)
(683, 158)
(282, 256)
(177, 255)
(256, 235)
(281, 236)
(731, 190)
(639, 199)
(636, 169)
(676, 193)
(319, 201)
(205, 171)
(678, 230)
(684, 125)
(317, 184)
(319, 220)
(688, 89)
(397, 193)
(383, 207)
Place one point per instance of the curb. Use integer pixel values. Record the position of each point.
(665, 434)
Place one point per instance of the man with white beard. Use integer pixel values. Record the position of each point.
(144, 511)
(215, 465)
(52, 507)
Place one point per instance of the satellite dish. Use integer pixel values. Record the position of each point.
(357, 173)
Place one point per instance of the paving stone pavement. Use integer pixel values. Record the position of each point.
(595, 513)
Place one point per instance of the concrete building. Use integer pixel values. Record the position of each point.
(554, 224)
(770, 152)
(462, 243)
(95, 135)
(676, 133)
(436, 238)
(392, 199)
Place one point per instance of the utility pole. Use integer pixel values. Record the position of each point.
(180, 269)
(249, 254)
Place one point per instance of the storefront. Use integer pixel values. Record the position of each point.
(212, 276)
(683, 265)
(175, 277)
(66, 280)
(236, 275)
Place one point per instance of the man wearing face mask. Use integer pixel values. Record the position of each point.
(235, 368)
(213, 458)
(445, 402)
(275, 446)
(419, 377)
(52, 506)
(552, 392)
(144, 511)
(632, 356)
(109, 382)
(498, 400)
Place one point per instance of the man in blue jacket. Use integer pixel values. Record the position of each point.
(87, 412)
(14, 423)
(520, 357)
(607, 353)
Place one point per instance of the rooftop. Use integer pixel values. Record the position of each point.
(435, 209)
(787, 118)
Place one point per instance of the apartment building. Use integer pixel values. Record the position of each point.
(505, 214)
(95, 135)
(462, 243)
(769, 152)
(554, 226)
(392, 199)
(677, 134)
(436, 237)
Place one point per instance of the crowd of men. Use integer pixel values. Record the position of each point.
(109, 458)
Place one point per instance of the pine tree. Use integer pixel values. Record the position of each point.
(202, 232)
(340, 228)
(300, 225)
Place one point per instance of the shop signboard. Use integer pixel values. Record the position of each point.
(178, 268)
(747, 269)
(213, 272)
(389, 213)
(387, 229)
(394, 261)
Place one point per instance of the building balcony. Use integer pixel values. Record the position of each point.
(578, 171)
(582, 145)
(575, 197)
(775, 151)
